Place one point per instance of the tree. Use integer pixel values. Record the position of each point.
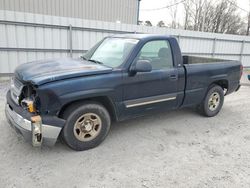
(187, 10)
(161, 24)
(219, 17)
(140, 22)
(148, 23)
(173, 14)
(227, 20)
(248, 21)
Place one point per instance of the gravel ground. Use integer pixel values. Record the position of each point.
(171, 149)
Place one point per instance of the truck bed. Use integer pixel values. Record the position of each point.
(202, 71)
(202, 60)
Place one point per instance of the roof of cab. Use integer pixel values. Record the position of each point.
(140, 36)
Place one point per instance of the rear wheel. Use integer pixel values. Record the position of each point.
(213, 101)
(86, 125)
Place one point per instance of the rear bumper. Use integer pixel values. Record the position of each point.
(20, 120)
(233, 87)
(238, 87)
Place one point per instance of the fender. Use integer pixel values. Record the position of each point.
(80, 95)
(219, 77)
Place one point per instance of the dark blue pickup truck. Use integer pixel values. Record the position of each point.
(121, 77)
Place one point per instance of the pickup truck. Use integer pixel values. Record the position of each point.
(121, 77)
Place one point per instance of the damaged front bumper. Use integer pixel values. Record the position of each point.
(35, 129)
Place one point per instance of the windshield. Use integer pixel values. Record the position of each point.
(112, 51)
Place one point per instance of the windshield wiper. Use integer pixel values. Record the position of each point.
(95, 61)
(92, 60)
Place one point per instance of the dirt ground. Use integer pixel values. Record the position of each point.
(171, 149)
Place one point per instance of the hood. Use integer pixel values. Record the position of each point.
(40, 72)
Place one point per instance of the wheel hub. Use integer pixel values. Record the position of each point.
(87, 127)
(214, 101)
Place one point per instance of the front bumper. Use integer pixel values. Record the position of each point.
(21, 122)
(23, 126)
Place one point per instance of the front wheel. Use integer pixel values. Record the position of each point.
(86, 126)
(213, 101)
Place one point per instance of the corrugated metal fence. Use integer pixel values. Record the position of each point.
(105, 10)
(26, 37)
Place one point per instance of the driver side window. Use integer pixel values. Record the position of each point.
(158, 53)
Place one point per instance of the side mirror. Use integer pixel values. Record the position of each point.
(142, 66)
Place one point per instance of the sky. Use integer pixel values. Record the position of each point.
(155, 15)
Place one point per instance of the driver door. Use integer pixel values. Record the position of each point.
(148, 91)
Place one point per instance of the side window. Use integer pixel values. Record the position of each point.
(158, 52)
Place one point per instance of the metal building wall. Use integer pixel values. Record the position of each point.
(105, 10)
(26, 37)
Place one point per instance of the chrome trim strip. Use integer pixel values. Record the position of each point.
(150, 102)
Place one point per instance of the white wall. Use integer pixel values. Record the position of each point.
(20, 43)
(105, 10)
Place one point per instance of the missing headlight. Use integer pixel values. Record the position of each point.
(28, 104)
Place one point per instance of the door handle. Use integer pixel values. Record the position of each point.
(173, 76)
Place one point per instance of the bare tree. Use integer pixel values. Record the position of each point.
(140, 22)
(173, 14)
(248, 24)
(248, 21)
(161, 24)
(227, 18)
(148, 23)
(219, 17)
(187, 9)
(196, 14)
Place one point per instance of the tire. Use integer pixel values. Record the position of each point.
(86, 126)
(213, 101)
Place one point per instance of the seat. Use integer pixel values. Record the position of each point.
(164, 59)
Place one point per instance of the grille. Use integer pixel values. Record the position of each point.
(16, 89)
(17, 84)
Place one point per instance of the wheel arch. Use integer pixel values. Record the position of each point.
(103, 100)
(222, 83)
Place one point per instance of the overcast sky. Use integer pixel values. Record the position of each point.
(146, 12)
